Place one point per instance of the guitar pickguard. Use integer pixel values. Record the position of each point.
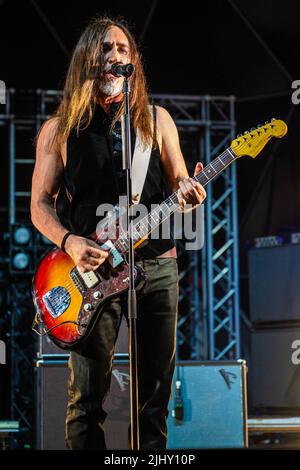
(115, 257)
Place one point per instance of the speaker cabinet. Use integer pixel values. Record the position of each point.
(51, 403)
(208, 408)
(274, 274)
(52, 397)
(274, 377)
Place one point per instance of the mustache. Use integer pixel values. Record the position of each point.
(98, 72)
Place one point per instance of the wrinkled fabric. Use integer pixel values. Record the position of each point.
(90, 370)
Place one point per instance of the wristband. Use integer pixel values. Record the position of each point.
(63, 242)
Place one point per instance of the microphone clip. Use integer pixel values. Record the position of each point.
(120, 70)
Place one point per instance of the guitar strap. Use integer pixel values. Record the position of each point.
(140, 164)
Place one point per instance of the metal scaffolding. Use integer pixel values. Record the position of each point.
(208, 325)
(21, 119)
(214, 323)
(220, 264)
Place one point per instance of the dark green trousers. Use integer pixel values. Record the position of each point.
(90, 371)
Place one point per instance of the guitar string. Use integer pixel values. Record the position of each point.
(73, 288)
(145, 221)
(174, 198)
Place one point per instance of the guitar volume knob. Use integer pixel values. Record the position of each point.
(88, 307)
(97, 295)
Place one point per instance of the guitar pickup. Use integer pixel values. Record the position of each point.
(90, 279)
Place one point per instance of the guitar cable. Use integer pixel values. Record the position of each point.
(46, 332)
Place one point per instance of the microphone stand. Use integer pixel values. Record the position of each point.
(132, 309)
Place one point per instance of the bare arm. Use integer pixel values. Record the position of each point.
(46, 181)
(190, 191)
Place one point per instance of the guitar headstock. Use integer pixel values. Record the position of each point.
(251, 143)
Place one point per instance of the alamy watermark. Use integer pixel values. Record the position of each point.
(2, 92)
(296, 93)
(187, 225)
(295, 352)
(2, 352)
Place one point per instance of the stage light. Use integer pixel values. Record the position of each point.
(22, 235)
(46, 240)
(41, 241)
(21, 261)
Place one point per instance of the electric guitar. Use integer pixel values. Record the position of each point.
(68, 301)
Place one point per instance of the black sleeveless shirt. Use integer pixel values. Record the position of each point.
(92, 177)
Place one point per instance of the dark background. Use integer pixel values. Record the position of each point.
(221, 47)
(248, 49)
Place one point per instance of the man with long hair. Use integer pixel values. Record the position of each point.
(78, 166)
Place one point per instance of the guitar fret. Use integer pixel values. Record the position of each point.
(171, 204)
(136, 234)
(231, 153)
(203, 173)
(219, 158)
(151, 217)
(143, 225)
(212, 166)
(155, 217)
(164, 208)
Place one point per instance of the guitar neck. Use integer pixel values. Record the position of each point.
(163, 211)
(215, 167)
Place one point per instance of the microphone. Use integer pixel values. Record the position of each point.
(120, 70)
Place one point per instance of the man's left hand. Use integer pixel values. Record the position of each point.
(190, 191)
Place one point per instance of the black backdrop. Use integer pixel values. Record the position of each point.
(223, 47)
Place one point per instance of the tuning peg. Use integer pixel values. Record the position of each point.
(246, 132)
(238, 136)
(258, 125)
(273, 119)
(266, 122)
(253, 129)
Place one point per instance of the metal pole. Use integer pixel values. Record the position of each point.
(12, 201)
(132, 310)
(209, 248)
(236, 306)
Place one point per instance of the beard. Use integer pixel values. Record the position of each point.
(111, 88)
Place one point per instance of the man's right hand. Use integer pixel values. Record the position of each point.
(85, 253)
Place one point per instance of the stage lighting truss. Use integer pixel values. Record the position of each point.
(210, 284)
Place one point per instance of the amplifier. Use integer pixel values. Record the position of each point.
(274, 284)
(274, 374)
(51, 394)
(52, 397)
(208, 408)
